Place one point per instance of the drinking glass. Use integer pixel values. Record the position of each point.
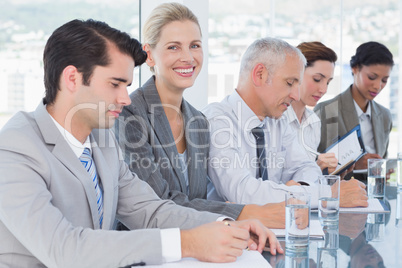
(297, 221)
(376, 171)
(328, 203)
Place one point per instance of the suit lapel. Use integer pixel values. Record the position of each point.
(349, 114)
(376, 121)
(62, 151)
(191, 142)
(163, 133)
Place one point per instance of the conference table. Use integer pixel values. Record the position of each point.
(362, 240)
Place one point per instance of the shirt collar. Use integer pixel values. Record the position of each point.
(247, 118)
(360, 111)
(75, 145)
(308, 117)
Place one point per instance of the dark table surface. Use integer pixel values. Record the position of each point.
(360, 241)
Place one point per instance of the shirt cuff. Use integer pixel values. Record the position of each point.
(171, 244)
(223, 218)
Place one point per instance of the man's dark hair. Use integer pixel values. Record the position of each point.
(83, 44)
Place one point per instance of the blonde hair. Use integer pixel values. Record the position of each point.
(163, 15)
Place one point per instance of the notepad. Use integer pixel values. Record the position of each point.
(247, 259)
(316, 231)
(375, 206)
(347, 149)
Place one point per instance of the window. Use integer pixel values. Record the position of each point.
(24, 29)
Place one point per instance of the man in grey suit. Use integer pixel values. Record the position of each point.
(64, 183)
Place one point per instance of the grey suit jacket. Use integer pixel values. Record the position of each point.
(148, 146)
(48, 211)
(339, 115)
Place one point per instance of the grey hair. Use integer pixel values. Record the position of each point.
(269, 51)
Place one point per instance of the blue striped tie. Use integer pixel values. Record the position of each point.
(89, 165)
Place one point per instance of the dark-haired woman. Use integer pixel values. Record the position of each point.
(371, 68)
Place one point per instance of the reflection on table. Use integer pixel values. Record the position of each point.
(360, 241)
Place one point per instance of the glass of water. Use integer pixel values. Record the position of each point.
(297, 221)
(328, 203)
(376, 172)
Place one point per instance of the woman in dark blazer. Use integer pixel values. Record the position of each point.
(371, 68)
(164, 139)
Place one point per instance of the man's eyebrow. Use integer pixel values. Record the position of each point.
(120, 79)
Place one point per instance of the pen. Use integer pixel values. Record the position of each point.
(314, 152)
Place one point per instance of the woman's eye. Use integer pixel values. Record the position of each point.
(115, 85)
(372, 78)
(317, 80)
(195, 46)
(172, 47)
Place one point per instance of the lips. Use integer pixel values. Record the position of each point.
(115, 113)
(317, 98)
(373, 94)
(185, 71)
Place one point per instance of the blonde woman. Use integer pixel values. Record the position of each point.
(164, 139)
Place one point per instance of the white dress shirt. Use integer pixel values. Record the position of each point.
(309, 130)
(233, 163)
(170, 238)
(366, 128)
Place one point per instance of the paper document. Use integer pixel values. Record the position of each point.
(348, 149)
(374, 206)
(247, 259)
(315, 230)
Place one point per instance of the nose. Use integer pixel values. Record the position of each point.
(123, 98)
(323, 89)
(379, 85)
(187, 56)
(295, 93)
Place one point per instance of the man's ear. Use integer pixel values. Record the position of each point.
(259, 74)
(71, 78)
(150, 61)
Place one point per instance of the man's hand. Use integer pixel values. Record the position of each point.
(261, 237)
(214, 242)
(353, 194)
(225, 241)
(362, 162)
(327, 160)
(271, 215)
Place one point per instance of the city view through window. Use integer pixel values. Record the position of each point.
(233, 25)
